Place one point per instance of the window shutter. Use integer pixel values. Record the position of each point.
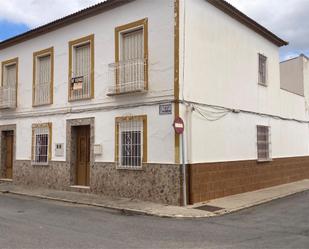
(133, 45)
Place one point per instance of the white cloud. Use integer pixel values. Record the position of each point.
(34, 13)
(287, 19)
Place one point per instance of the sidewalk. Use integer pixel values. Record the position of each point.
(213, 208)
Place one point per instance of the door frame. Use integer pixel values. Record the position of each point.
(71, 146)
(3, 129)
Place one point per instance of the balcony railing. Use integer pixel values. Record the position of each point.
(7, 97)
(80, 88)
(127, 77)
(42, 94)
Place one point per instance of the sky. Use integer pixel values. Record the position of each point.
(286, 18)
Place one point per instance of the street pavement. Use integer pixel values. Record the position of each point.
(27, 222)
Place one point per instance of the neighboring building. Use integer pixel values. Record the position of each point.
(294, 75)
(88, 102)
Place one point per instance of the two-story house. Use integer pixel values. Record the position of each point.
(88, 102)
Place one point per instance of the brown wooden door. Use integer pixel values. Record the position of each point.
(83, 155)
(9, 140)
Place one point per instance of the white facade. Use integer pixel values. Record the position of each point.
(160, 15)
(220, 68)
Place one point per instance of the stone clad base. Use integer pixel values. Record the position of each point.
(156, 183)
(214, 180)
(56, 175)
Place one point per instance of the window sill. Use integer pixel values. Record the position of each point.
(135, 168)
(41, 105)
(82, 99)
(264, 160)
(126, 92)
(40, 164)
(262, 84)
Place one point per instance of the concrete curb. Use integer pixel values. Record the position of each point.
(129, 211)
(258, 203)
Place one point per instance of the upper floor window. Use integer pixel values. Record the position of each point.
(8, 89)
(262, 69)
(43, 66)
(131, 142)
(81, 66)
(130, 71)
(41, 143)
(263, 143)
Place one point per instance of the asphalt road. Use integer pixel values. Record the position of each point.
(36, 223)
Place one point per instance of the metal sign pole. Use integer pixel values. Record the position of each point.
(184, 182)
(179, 129)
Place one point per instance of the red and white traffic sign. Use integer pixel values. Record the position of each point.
(178, 125)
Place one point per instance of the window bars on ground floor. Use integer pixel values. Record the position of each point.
(40, 143)
(263, 143)
(129, 143)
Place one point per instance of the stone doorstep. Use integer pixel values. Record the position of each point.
(6, 180)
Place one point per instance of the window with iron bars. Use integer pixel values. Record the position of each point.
(262, 69)
(43, 77)
(131, 142)
(263, 143)
(9, 84)
(129, 74)
(41, 143)
(81, 68)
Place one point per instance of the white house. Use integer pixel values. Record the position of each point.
(88, 102)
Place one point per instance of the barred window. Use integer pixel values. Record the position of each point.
(263, 143)
(8, 88)
(131, 144)
(262, 69)
(41, 142)
(81, 66)
(129, 73)
(43, 77)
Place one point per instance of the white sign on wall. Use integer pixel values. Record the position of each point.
(165, 109)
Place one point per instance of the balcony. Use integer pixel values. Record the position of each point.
(80, 88)
(7, 97)
(127, 77)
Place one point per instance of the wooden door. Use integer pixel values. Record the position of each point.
(83, 155)
(9, 140)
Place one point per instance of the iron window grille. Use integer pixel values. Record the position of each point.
(129, 73)
(41, 144)
(130, 142)
(263, 143)
(262, 69)
(81, 66)
(8, 88)
(43, 78)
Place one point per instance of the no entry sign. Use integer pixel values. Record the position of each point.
(178, 125)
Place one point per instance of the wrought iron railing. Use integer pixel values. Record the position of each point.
(127, 77)
(7, 97)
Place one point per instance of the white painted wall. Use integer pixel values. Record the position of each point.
(160, 14)
(220, 63)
